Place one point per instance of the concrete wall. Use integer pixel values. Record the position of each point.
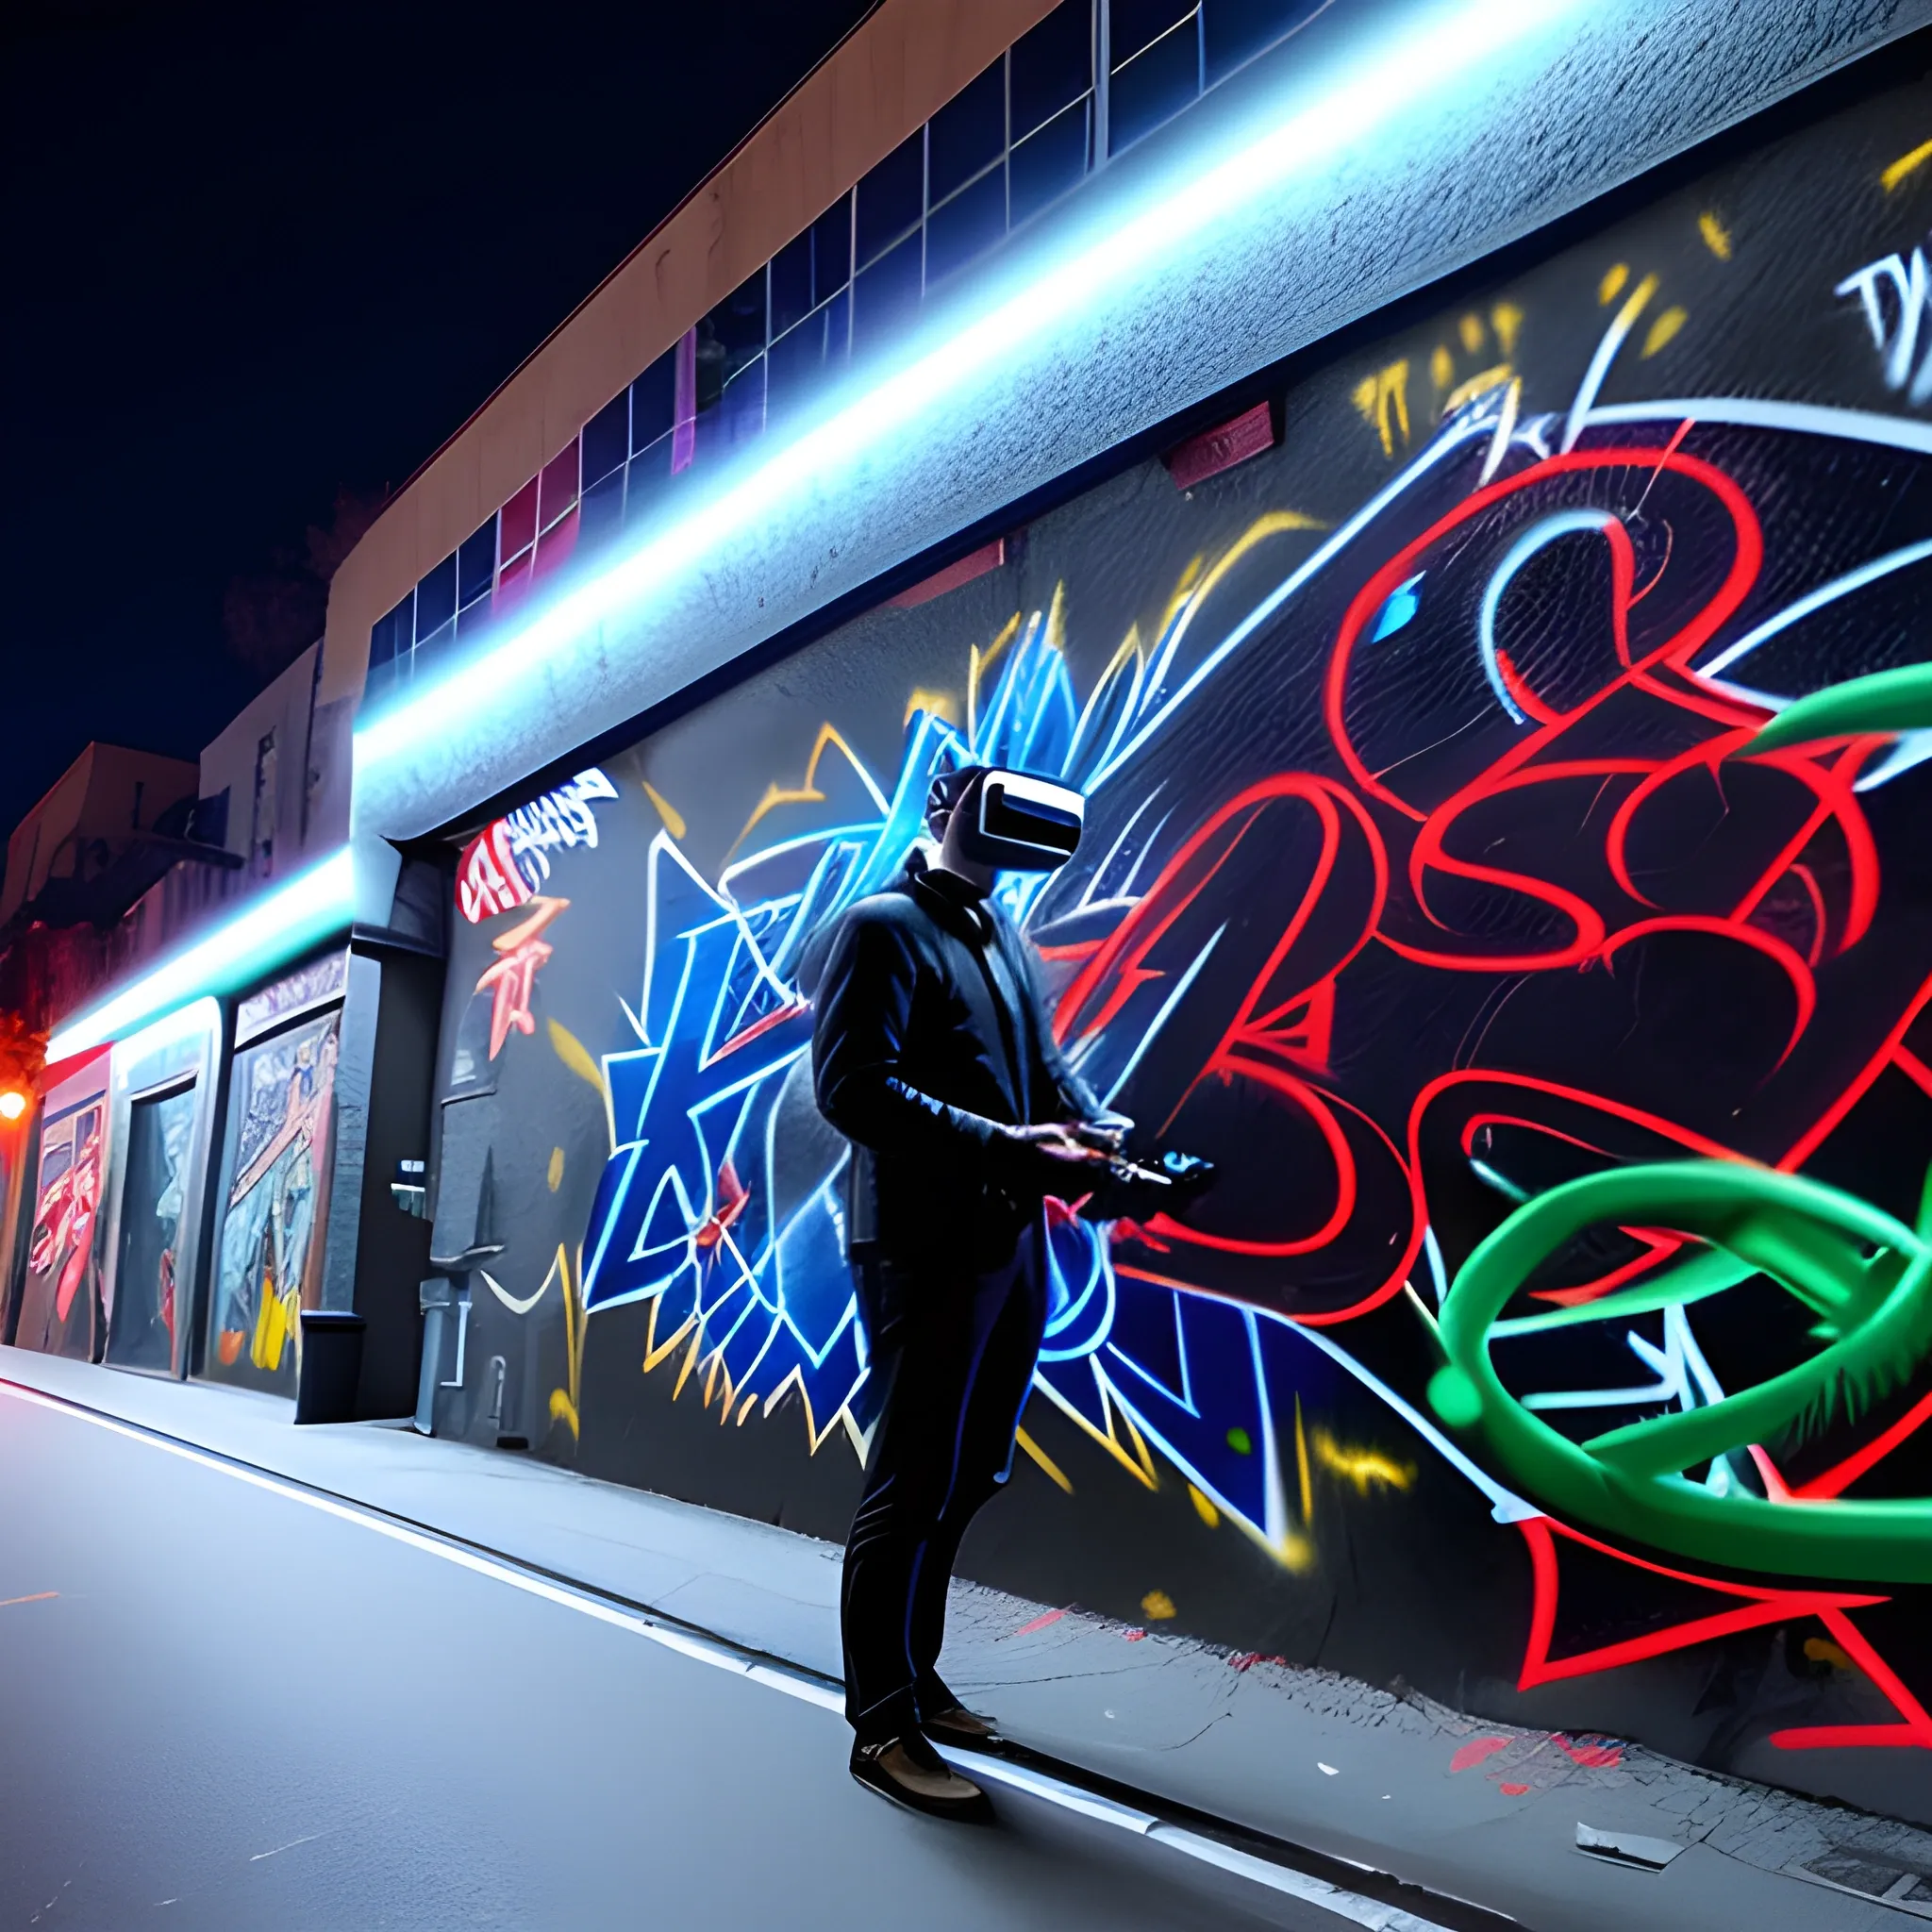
(907, 59)
(107, 793)
(1429, 867)
(286, 709)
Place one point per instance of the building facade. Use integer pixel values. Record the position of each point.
(1395, 460)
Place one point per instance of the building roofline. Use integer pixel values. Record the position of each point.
(630, 255)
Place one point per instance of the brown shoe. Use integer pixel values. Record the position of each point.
(959, 1725)
(911, 1772)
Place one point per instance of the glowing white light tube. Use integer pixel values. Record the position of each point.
(263, 935)
(1439, 55)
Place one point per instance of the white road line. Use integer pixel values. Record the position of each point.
(1347, 1906)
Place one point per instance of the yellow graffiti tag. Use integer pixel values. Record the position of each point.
(674, 819)
(1383, 399)
(1054, 1471)
(1662, 329)
(1507, 320)
(1367, 1468)
(1301, 1462)
(1204, 1506)
(555, 1174)
(940, 704)
(563, 1402)
(810, 793)
(576, 1055)
(1905, 165)
(1716, 236)
(1471, 330)
(1478, 385)
(1612, 284)
(1441, 366)
(979, 664)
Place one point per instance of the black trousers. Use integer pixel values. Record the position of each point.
(955, 1355)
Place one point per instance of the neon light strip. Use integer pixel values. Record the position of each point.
(1816, 600)
(1431, 60)
(263, 934)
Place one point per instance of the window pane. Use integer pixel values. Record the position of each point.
(476, 563)
(558, 488)
(831, 250)
(1136, 24)
(393, 634)
(606, 438)
(603, 509)
(795, 367)
(739, 321)
(436, 597)
(1237, 30)
(966, 134)
(741, 412)
(1052, 65)
(432, 647)
(966, 227)
(1152, 88)
(653, 400)
(892, 198)
(556, 544)
(1048, 163)
(885, 295)
(472, 617)
(792, 283)
(648, 479)
(517, 523)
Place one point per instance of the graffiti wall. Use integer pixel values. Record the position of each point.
(60, 1295)
(1439, 867)
(276, 1207)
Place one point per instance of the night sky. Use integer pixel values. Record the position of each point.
(260, 261)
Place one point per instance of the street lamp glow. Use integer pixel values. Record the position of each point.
(13, 1104)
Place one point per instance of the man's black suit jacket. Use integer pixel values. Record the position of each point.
(919, 1057)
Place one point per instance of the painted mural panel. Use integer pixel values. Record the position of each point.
(160, 1135)
(1444, 884)
(61, 1296)
(269, 1265)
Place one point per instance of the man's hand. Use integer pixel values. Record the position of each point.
(1057, 1143)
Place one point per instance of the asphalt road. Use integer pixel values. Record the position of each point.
(221, 1707)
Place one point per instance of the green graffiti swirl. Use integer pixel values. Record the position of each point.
(1887, 701)
(1866, 1276)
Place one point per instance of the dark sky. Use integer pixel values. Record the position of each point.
(253, 256)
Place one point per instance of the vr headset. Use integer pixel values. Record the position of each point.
(1016, 822)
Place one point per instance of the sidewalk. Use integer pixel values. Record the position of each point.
(1400, 1785)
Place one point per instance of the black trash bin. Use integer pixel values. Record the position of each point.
(331, 1366)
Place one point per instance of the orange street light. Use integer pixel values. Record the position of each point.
(13, 1104)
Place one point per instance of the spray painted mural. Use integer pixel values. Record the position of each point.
(269, 1265)
(141, 1323)
(1557, 1021)
(61, 1296)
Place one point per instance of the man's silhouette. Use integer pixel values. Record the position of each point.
(933, 1056)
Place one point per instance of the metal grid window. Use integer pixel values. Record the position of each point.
(1080, 86)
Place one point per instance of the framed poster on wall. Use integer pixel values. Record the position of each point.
(160, 1128)
(274, 1206)
(61, 1296)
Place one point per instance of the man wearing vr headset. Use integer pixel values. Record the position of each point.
(933, 1056)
